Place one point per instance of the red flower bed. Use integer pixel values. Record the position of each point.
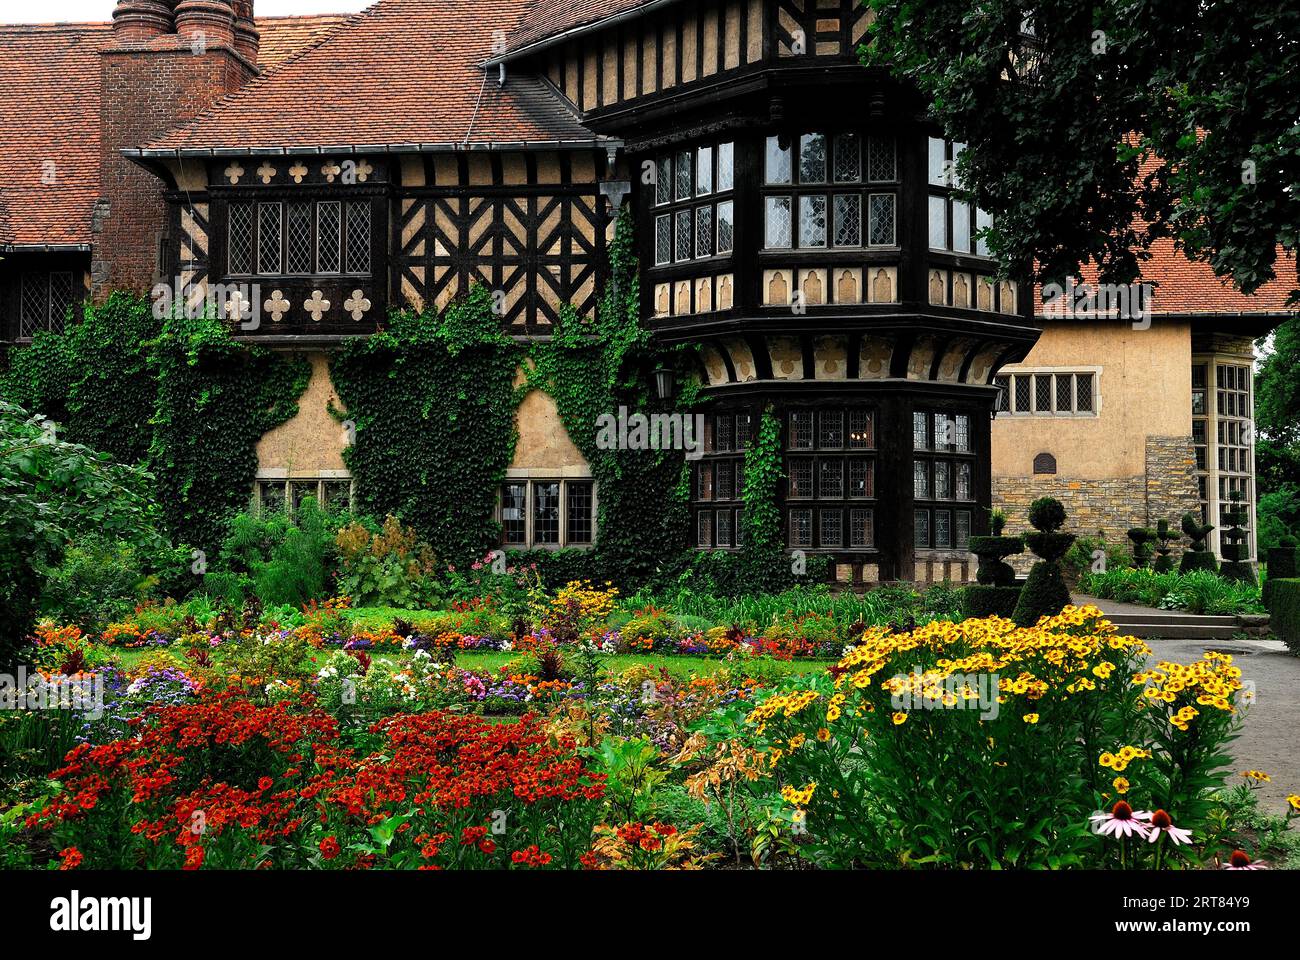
(226, 783)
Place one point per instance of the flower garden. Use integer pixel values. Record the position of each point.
(576, 728)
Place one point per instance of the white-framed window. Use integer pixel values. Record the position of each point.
(693, 205)
(547, 512)
(1049, 393)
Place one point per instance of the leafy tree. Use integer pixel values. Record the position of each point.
(1061, 106)
(54, 491)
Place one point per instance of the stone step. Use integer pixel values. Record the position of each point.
(1179, 631)
(1173, 618)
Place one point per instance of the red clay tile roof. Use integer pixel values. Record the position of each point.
(402, 72)
(49, 110)
(546, 18)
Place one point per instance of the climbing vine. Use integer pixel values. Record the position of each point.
(215, 399)
(592, 368)
(762, 517)
(430, 402)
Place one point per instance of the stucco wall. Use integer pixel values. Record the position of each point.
(312, 442)
(1144, 386)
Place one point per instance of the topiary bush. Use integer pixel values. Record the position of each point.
(1236, 564)
(1165, 538)
(980, 600)
(1141, 538)
(1281, 564)
(1198, 556)
(1045, 592)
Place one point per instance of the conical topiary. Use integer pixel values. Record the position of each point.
(1045, 593)
(1236, 565)
(995, 593)
(1198, 555)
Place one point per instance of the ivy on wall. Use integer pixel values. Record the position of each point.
(592, 369)
(178, 395)
(215, 400)
(762, 516)
(432, 401)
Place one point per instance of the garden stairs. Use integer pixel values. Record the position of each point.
(1138, 621)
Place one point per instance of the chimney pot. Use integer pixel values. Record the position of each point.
(141, 20)
(210, 22)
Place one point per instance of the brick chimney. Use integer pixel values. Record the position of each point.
(247, 39)
(166, 63)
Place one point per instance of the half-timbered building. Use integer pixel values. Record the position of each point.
(796, 220)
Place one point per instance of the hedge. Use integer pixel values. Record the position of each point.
(980, 600)
(1284, 612)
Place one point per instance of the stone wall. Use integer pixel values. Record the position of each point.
(1166, 490)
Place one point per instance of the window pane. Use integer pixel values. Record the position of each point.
(358, 253)
(922, 528)
(268, 241)
(722, 526)
(942, 480)
(546, 513)
(777, 221)
(777, 162)
(1022, 393)
(271, 494)
(726, 166)
(937, 162)
(739, 532)
(725, 475)
(881, 223)
(800, 472)
(944, 432)
(514, 519)
(921, 479)
(961, 537)
(1004, 392)
(1064, 389)
(742, 431)
(831, 435)
(920, 435)
(962, 427)
(848, 158)
(724, 432)
(664, 180)
(812, 158)
(983, 221)
(942, 528)
(938, 223)
(881, 166)
(329, 237)
(239, 249)
(861, 434)
(704, 528)
(861, 478)
(801, 528)
(830, 479)
(726, 228)
(704, 231)
(861, 528)
(579, 495)
(964, 482)
(1042, 394)
(848, 220)
(961, 226)
(61, 298)
(704, 484)
(337, 493)
(685, 230)
(812, 221)
(298, 236)
(300, 490)
(703, 171)
(663, 239)
(801, 431)
(1083, 393)
(832, 528)
(684, 170)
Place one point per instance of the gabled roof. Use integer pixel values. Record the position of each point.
(547, 19)
(400, 74)
(49, 111)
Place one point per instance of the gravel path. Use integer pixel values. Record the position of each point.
(1270, 737)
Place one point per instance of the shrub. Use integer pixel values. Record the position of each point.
(1141, 538)
(993, 570)
(1164, 538)
(980, 600)
(282, 560)
(1198, 556)
(1281, 566)
(391, 568)
(1045, 593)
(97, 582)
(1235, 552)
(1200, 591)
(1284, 612)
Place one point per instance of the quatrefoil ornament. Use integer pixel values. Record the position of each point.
(234, 172)
(266, 172)
(277, 306)
(298, 171)
(317, 305)
(357, 304)
(329, 170)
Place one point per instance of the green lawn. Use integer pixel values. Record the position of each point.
(679, 666)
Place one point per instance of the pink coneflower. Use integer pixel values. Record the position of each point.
(1122, 821)
(1161, 822)
(1239, 861)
